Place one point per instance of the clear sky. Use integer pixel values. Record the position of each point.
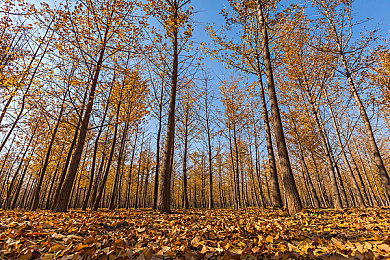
(378, 10)
(207, 11)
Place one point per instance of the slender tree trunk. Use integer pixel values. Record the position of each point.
(157, 171)
(138, 173)
(118, 168)
(6, 178)
(5, 108)
(344, 156)
(335, 192)
(107, 170)
(276, 196)
(237, 173)
(210, 156)
(11, 185)
(18, 188)
(145, 195)
(316, 201)
(371, 189)
(95, 149)
(22, 203)
(342, 187)
(257, 199)
(257, 162)
(99, 176)
(233, 186)
(47, 157)
(185, 192)
(130, 171)
(54, 178)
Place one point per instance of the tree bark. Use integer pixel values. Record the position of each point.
(274, 181)
(164, 185)
(291, 191)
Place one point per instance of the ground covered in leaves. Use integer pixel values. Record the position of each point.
(196, 234)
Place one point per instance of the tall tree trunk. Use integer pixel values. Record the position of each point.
(341, 185)
(6, 178)
(257, 199)
(291, 191)
(62, 203)
(54, 178)
(321, 184)
(257, 162)
(99, 177)
(344, 156)
(363, 114)
(138, 173)
(210, 156)
(164, 185)
(146, 184)
(18, 188)
(276, 196)
(233, 186)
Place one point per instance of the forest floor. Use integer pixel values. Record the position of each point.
(196, 234)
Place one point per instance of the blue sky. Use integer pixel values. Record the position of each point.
(207, 11)
(379, 10)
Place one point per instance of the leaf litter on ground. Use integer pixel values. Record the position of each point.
(196, 234)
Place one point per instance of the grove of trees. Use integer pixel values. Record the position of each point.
(115, 104)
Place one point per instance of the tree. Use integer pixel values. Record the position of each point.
(337, 21)
(174, 16)
(294, 204)
(111, 24)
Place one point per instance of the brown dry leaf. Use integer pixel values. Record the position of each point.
(55, 248)
(90, 240)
